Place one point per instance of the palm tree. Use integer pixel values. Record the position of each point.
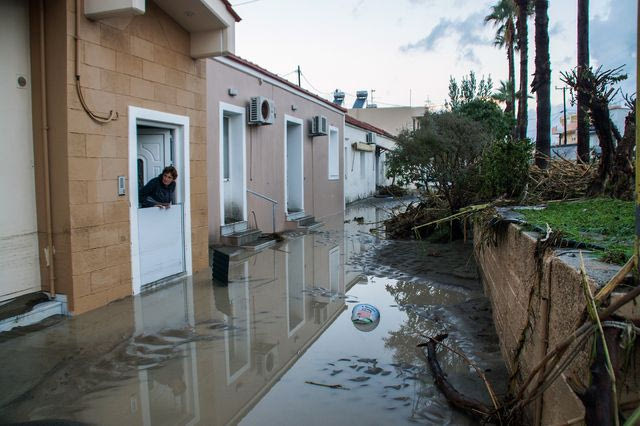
(541, 84)
(583, 64)
(503, 93)
(502, 15)
(523, 9)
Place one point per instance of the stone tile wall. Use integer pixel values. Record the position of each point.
(138, 61)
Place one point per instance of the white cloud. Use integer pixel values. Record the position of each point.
(468, 32)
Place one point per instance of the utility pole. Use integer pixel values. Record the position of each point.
(299, 76)
(372, 90)
(564, 109)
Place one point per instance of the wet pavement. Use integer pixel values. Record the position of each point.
(263, 349)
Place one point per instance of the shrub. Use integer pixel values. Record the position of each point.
(505, 167)
(443, 154)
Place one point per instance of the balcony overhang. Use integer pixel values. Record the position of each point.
(210, 23)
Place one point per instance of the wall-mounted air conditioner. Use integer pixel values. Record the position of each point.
(266, 358)
(261, 111)
(371, 137)
(318, 125)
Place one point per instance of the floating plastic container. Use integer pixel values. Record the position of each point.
(365, 317)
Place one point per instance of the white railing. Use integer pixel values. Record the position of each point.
(273, 202)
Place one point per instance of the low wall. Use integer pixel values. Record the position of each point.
(537, 301)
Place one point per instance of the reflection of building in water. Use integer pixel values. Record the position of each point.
(209, 353)
(357, 241)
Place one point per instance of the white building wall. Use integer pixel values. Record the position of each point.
(19, 261)
(359, 173)
(363, 170)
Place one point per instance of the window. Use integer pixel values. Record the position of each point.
(362, 160)
(225, 148)
(334, 154)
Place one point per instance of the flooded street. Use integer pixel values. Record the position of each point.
(261, 350)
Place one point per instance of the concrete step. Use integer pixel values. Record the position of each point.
(241, 238)
(304, 223)
(30, 309)
(311, 226)
(306, 220)
(259, 244)
(234, 227)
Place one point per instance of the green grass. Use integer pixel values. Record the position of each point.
(604, 222)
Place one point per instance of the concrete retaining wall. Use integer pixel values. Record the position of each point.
(537, 301)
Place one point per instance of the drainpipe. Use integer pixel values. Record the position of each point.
(45, 153)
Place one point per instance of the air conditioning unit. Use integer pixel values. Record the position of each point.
(371, 137)
(318, 125)
(261, 111)
(266, 359)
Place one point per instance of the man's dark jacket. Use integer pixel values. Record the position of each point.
(155, 192)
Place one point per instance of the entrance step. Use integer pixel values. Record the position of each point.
(234, 227)
(260, 244)
(29, 309)
(306, 223)
(241, 238)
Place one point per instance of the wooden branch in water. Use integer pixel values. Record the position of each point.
(327, 386)
(455, 398)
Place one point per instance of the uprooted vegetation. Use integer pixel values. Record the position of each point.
(612, 363)
(465, 160)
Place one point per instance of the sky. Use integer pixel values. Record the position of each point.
(406, 50)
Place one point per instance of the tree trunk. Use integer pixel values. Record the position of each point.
(542, 84)
(522, 29)
(510, 102)
(602, 123)
(512, 71)
(583, 64)
(622, 179)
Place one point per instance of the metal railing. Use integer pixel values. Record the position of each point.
(273, 206)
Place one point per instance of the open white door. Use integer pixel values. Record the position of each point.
(160, 231)
(232, 166)
(294, 167)
(160, 241)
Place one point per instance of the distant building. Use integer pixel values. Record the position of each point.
(392, 120)
(568, 148)
(365, 151)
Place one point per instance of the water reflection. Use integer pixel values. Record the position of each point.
(203, 352)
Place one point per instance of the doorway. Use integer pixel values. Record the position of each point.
(19, 258)
(233, 176)
(294, 168)
(160, 238)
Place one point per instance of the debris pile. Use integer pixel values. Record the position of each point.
(561, 180)
(391, 191)
(400, 226)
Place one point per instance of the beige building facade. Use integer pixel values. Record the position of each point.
(251, 167)
(392, 120)
(100, 95)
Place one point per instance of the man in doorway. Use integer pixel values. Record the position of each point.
(158, 192)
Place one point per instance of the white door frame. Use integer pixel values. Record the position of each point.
(180, 125)
(288, 118)
(241, 112)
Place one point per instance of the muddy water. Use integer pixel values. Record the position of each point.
(259, 350)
